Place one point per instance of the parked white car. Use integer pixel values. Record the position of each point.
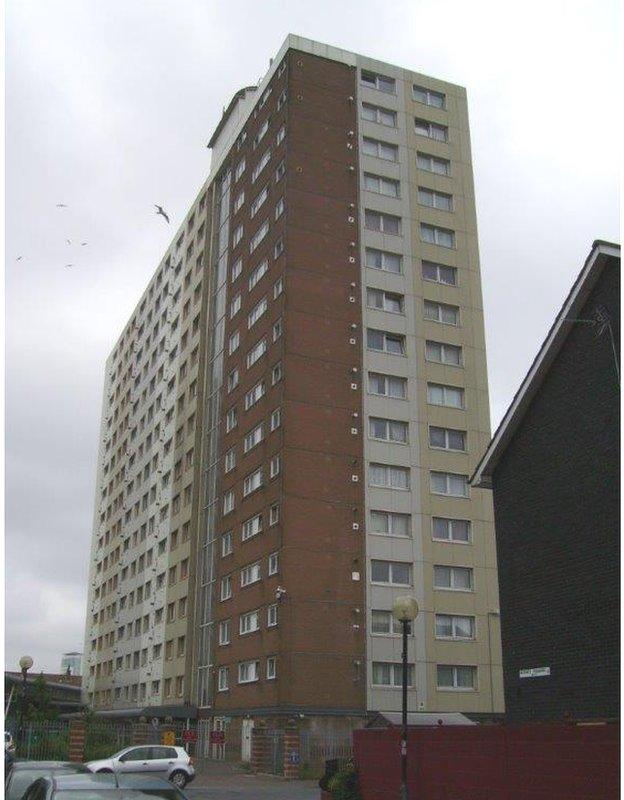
(172, 763)
(9, 744)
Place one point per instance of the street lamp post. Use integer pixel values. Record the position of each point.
(25, 663)
(405, 610)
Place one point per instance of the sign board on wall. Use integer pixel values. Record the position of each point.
(535, 672)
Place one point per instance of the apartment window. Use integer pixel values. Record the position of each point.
(233, 342)
(279, 208)
(441, 312)
(431, 130)
(441, 395)
(447, 438)
(272, 615)
(387, 385)
(385, 301)
(226, 587)
(451, 530)
(282, 99)
(382, 116)
(235, 306)
(181, 646)
(385, 223)
(240, 168)
(278, 249)
(387, 673)
(226, 544)
(381, 185)
(256, 352)
(259, 236)
(458, 579)
(457, 678)
(238, 202)
(429, 97)
(277, 329)
(250, 574)
(389, 477)
(432, 199)
(273, 563)
(381, 259)
(389, 523)
(383, 623)
(260, 165)
(229, 460)
(257, 311)
(262, 129)
(224, 678)
(276, 419)
(237, 268)
(248, 671)
(395, 573)
(281, 134)
(449, 484)
(441, 353)
(237, 235)
(377, 149)
(230, 420)
(249, 623)
(393, 343)
(259, 200)
(253, 438)
(280, 171)
(388, 430)
(251, 527)
(449, 626)
(252, 482)
(228, 502)
(258, 273)
(278, 288)
(275, 466)
(271, 668)
(274, 514)
(428, 163)
(254, 395)
(276, 373)
(434, 235)
(380, 82)
(232, 381)
(224, 632)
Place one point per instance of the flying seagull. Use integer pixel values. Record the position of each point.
(61, 205)
(162, 212)
(69, 265)
(68, 241)
(19, 258)
(82, 244)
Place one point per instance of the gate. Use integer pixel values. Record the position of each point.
(275, 751)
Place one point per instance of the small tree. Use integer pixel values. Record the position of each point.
(39, 701)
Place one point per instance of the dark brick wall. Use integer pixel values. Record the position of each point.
(556, 497)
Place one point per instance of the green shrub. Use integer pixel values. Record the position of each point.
(344, 784)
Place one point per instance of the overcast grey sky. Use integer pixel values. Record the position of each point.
(109, 107)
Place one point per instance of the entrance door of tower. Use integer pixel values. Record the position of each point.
(246, 739)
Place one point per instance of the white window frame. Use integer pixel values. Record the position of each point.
(273, 567)
(447, 389)
(251, 527)
(247, 665)
(253, 482)
(392, 520)
(271, 668)
(428, 163)
(448, 478)
(372, 376)
(442, 201)
(228, 502)
(249, 622)
(256, 352)
(272, 615)
(250, 574)
(258, 273)
(259, 201)
(259, 236)
(396, 681)
(455, 637)
(391, 565)
(275, 466)
(454, 588)
(445, 350)
(237, 235)
(380, 113)
(266, 157)
(378, 145)
(223, 679)
(233, 342)
(236, 269)
(431, 130)
(276, 419)
(226, 587)
(253, 437)
(384, 219)
(257, 311)
(388, 187)
(387, 298)
(450, 538)
(384, 260)
(388, 471)
(224, 632)
(428, 97)
(388, 425)
(229, 460)
(254, 395)
(436, 312)
(374, 80)
(456, 688)
(387, 336)
(227, 544)
(436, 235)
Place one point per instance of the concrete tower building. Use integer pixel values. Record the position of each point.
(291, 415)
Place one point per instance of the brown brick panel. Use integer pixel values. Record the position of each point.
(321, 336)
(321, 428)
(309, 380)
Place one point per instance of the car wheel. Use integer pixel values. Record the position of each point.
(178, 779)
(104, 772)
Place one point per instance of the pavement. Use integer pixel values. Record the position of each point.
(223, 781)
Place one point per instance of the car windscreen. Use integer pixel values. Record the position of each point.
(21, 779)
